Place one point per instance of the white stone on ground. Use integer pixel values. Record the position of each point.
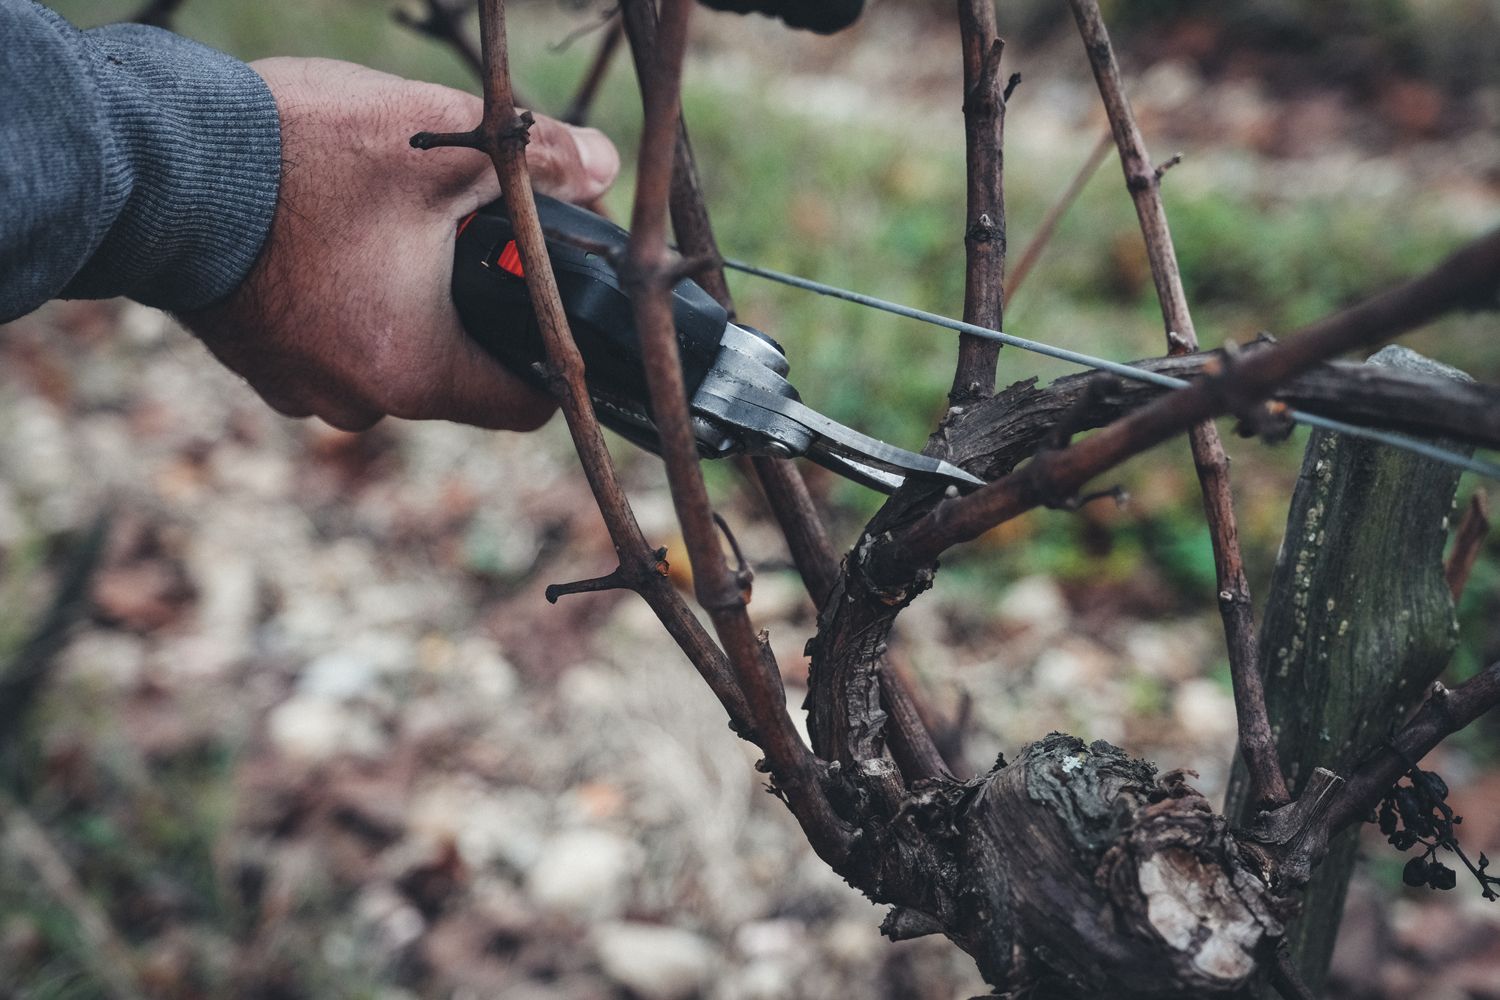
(585, 873)
(655, 962)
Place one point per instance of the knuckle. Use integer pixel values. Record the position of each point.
(544, 161)
(281, 394)
(454, 108)
(351, 420)
(292, 408)
(401, 391)
(531, 417)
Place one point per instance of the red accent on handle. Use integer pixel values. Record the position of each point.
(465, 224)
(510, 260)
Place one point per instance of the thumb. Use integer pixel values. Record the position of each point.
(574, 164)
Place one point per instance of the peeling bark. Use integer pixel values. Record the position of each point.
(1075, 871)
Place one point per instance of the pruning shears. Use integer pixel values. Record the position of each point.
(741, 401)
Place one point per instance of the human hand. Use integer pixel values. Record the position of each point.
(347, 314)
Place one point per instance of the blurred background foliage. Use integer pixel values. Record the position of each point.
(857, 180)
(847, 185)
(841, 184)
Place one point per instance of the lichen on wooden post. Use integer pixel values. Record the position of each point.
(1360, 624)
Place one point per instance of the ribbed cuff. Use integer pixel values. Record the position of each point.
(195, 167)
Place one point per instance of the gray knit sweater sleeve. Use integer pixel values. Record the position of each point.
(132, 162)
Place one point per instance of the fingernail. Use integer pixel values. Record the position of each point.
(600, 159)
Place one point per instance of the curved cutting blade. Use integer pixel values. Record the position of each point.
(854, 455)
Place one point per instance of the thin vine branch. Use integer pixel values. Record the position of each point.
(647, 274)
(912, 742)
(617, 579)
(1048, 227)
(1445, 712)
(780, 480)
(1257, 744)
(588, 89)
(785, 490)
(445, 21)
(1468, 542)
(1020, 420)
(502, 135)
(909, 733)
(984, 227)
(690, 222)
(1287, 979)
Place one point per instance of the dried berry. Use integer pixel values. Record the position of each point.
(1415, 872)
(1387, 816)
(1440, 876)
(1415, 813)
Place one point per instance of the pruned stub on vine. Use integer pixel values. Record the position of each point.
(1075, 871)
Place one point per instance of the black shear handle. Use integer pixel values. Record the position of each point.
(489, 290)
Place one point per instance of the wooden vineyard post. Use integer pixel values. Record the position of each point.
(1359, 625)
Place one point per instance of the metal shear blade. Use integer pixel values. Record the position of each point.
(854, 455)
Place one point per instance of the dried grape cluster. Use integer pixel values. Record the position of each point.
(1417, 812)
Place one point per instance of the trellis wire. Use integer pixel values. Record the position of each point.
(1475, 465)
